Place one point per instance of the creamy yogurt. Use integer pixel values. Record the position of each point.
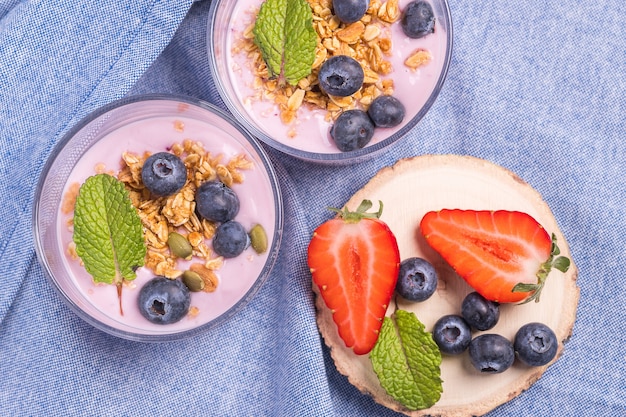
(152, 134)
(414, 88)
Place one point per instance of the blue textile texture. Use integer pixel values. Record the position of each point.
(537, 87)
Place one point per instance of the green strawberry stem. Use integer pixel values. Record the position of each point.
(561, 263)
(360, 213)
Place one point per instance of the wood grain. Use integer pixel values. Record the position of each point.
(408, 190)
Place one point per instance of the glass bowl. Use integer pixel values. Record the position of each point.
(149, 124)
(230, 47)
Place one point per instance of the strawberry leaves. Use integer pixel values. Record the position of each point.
(560, 263)
(494, 251)
(360, 212)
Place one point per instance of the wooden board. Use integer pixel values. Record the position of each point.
(408, 190)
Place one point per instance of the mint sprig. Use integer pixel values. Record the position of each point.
(284, 33)
(107, 231)
(407, 361)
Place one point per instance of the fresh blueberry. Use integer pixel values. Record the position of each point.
(480, 313)
(217, 202)
(164, 174)
(417, 279)
(452, 334)
(349, 11)
(491, 353)
(230, 239)
(352, 130)
(535, 344)
(163, 300)
(418, 19)
(341, 76)
(386, 111)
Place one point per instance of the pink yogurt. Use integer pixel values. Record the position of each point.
(237, 275)
(412, 87)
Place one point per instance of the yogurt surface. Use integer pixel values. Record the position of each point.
(237, 276)
(310, 132)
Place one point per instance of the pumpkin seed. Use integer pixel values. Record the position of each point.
(258, 238)
(179, 245)
(193, 281)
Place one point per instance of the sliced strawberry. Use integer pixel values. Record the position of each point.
(354, 260)
(504, 255)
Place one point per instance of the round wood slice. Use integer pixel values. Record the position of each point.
(408, 190)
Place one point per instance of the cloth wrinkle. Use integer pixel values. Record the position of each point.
(21, 225)
(116, 59)
(532, 87)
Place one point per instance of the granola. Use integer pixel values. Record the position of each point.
(162, 215)
(367, 40)
(417, 59)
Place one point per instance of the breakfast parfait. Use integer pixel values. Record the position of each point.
(167, 221)
(327, 76)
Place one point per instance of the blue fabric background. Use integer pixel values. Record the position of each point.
(538, 87)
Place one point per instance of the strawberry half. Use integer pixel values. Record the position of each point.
(505, 256)
(354, 259)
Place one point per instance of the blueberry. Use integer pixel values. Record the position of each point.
(230, 239)
(491, 353)
(535, 344)
(341, 76)
(452, 334)
(164, 174)
(418, 19)
(386, 111)
(163, 300)
(217, 202)
(417, 279)
(349, 11)
(480, 313)
(352, 130)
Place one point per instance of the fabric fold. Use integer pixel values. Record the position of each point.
(534, 87)
(59, 62)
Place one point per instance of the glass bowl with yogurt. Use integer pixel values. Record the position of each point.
(197, 287)
(298, 119)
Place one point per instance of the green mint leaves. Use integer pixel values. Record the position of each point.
(300, 41)
(407, 361)
(284, 33)
(107, 230)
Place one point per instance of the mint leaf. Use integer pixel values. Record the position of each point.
(284, 33)
(107, 230)
(269, 33)
(300, 41)
(407, 361)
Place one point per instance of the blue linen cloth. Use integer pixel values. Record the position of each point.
(538, 87)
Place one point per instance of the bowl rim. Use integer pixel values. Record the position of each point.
(273, 251)
(336, 157)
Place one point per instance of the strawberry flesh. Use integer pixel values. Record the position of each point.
(355, 267)
(492, 251)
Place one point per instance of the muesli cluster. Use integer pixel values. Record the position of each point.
(367, 40)
(162, 217)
